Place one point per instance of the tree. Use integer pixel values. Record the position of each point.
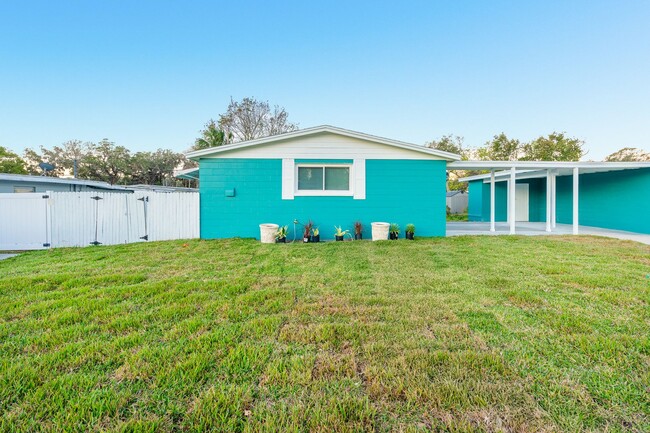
(106, 162)
(629, 154)
(154, 168)
(11, 162)
(449, 143)
(250, 119)
(452, 144)
(500, 148)
(211, 136)
(62, 157)
(555, 147)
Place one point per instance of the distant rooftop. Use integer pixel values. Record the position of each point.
(60, 180)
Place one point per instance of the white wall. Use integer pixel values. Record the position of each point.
(75, 219)
(458, 203)
(324, 146)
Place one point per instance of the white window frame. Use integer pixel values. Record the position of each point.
(330, 193)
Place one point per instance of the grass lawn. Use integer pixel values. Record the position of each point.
(459, 334)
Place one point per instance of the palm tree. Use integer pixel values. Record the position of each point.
(211, 136)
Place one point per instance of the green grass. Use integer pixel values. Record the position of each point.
(457, 217)
(457, 334)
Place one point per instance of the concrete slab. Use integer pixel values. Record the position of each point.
(539, 229)
(6, 256)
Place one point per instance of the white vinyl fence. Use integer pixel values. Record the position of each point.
(74, 219)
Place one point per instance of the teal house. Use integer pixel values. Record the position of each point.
(609, 195)
(327, 175)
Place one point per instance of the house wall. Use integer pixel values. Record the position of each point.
(397, 190)
(479, 201)
(618, 200)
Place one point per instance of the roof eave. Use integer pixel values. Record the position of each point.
(196, 155)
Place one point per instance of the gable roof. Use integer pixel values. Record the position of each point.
(319, 130)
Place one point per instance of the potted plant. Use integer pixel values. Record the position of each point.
(358, 228)
(281, 235)
(410, 231)
(306, 235)
(393, 231)
(315, 235)
(339, 233)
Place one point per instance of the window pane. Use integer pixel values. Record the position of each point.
(310, 178)
(337, 178)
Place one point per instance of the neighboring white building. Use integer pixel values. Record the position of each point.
(457, 202)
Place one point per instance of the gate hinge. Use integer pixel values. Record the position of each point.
(95, 243)
(145, 237)
(144, 199)
(46, 196)
(96, 197)
(46, 244)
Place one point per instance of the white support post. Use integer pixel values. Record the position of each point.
(511, 200)
(553, 200)
(492, 224)
(548, 200)
(576, 181)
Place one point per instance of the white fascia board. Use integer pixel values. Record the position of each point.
(504, 175)
(192, 173)
(195, 155)
(542, 165)
(531, 169)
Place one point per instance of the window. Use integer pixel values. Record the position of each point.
(21, 189)
(318, 179)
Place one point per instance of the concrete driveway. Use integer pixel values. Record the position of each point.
(539, 229)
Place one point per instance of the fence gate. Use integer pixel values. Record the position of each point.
(24, 221)
(75, 219)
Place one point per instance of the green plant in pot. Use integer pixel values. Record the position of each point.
(358, 229)
(306, 234)
(315, 235)
(281, 235)
(339, 233)
(393, 231)
(410, 231)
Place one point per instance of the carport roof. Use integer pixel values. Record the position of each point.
(532, 169)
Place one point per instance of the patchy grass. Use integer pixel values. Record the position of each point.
(457, 334)
(457, 217)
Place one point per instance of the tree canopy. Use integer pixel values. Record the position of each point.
(105, 161)
(500, 148)
(449, 143)
(554, 147)
(11, 162)
(249, 119)
(629, 154)
(211, 136)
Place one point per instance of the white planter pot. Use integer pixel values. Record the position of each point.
(267, 233)
(380, 231)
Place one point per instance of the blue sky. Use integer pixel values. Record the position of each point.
(149, 74)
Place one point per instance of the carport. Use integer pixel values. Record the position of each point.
(512, 172)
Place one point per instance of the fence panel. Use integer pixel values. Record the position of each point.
(172, 215)
(74, 219)
(23, 221)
